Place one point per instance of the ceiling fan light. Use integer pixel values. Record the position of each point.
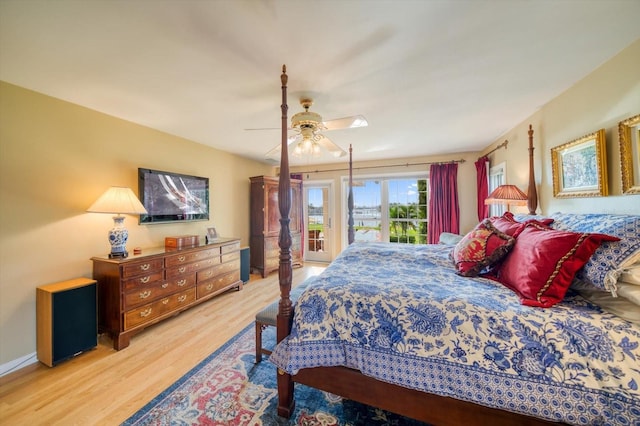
(308, 145)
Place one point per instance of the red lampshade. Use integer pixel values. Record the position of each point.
(507, 194)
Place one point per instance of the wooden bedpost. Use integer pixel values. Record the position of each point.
(286, 403)
(350, 231)
(532, 194)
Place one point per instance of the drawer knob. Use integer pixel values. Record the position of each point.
(182, 269)
(181, 258)
(182, 282)
(145, 267)
(182, 298)
(145, 294)
(145, 313)
(165, 301)
(210, 287)
(145, 280)
(165, 285)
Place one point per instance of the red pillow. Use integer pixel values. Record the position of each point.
(543, 262)
(482, 247)
(507, 224)
(510, 226)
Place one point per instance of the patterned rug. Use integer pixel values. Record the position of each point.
(228, 388)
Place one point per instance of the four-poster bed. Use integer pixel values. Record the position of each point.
(438, 407)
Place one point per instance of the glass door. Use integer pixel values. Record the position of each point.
(317, 222)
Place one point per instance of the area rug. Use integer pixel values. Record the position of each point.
(228, 388)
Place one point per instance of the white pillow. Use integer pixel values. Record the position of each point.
(626, 305)
(630, 292)
(631, 275)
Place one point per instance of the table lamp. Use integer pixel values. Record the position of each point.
(507, 194)
(118, 200)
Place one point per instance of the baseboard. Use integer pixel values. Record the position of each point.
(17, 364)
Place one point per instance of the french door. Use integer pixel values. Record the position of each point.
(318, 232)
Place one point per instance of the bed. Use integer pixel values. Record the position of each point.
(417, 331)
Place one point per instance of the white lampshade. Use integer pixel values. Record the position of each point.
(119, 200)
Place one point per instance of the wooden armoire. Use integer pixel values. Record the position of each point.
(265, 224)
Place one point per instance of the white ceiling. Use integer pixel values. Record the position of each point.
(431, 76)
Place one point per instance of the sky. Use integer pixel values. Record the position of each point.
(402, 191)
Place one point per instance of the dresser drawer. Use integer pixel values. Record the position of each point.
(216, 284)
(205, 274)
(181, 259)
(181, 270)
(156, 309)
(182, 282)
(146, 294)
(228, 267)
(230, 247)
(230, 256)
(143, 281)
(139, 268)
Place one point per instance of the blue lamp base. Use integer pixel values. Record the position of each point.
(118, 236)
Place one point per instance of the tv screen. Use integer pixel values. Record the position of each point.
(171, 197)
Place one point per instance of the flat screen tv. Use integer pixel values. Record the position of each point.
(172, 197)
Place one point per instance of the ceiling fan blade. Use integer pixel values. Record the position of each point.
(263, 128)
(268, 128)
(275, 151)
(333, 149)
(346, 122)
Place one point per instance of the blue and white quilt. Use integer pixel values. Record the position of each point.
(401, 314)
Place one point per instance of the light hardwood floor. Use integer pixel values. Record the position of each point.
(105, 387)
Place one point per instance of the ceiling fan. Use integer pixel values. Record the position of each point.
(309, 126)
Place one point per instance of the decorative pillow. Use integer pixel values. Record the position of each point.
(508, 224)
(481, 248)
(543, 262)
(608, 262)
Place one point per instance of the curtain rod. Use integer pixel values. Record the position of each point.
(502, 145)
(462, 160)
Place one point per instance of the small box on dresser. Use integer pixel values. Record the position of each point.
(182, 241)
(141, 290)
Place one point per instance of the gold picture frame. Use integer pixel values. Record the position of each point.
(629, 132)
(579, 167)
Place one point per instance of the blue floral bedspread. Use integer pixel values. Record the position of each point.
(401, 314)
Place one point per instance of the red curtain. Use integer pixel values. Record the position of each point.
(483, 187)
(300, 210)
(444, 210)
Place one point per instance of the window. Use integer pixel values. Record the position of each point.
(391, 209)
(497, 177)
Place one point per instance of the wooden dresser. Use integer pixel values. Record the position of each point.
(265, 224)
(141, 290)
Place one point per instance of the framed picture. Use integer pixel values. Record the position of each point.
(212, 235)
(629, 132)
(579, 167)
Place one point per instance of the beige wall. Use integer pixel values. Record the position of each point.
(605, 97)
(56, 158)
